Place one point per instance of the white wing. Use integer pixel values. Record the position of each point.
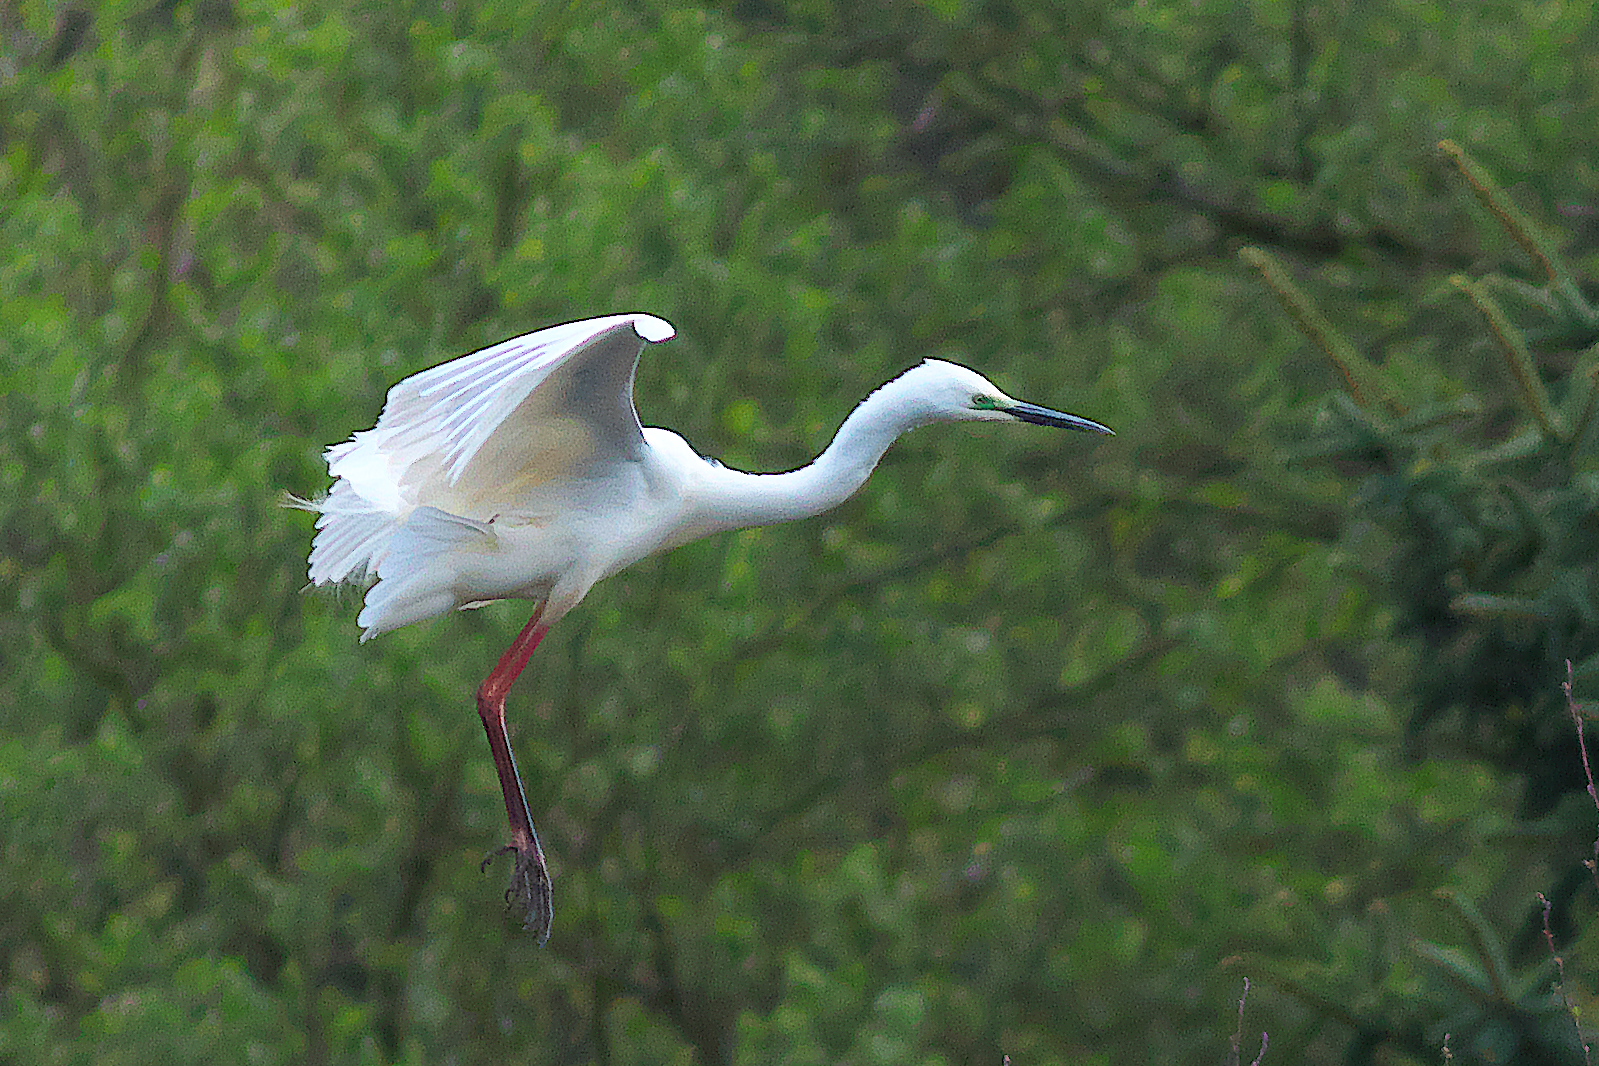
(481, 428)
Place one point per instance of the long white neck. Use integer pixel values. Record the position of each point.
(735, 500)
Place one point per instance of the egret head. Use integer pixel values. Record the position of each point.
(946, 392)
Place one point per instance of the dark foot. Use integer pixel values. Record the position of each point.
(530, 889)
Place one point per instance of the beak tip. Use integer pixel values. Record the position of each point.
(1043, 416)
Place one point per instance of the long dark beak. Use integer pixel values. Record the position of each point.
(1043, 416)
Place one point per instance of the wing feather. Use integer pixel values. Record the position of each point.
(520, 411)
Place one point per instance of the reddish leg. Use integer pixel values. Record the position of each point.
(530, 881)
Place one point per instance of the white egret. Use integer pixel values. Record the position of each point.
(521, 471)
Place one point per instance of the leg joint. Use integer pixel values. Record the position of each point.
(491, 701)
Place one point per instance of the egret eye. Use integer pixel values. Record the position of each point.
(984, 402)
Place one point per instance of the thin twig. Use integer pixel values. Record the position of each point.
(1238, 1030)
(1235, 1055)
(1560, 972)
(1517, 357)
(1364, 381)
(1575, 710)
(1520, 228)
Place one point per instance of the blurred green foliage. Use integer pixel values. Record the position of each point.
(1034, 749)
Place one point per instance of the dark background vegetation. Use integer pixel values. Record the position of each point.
(1037, 748)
